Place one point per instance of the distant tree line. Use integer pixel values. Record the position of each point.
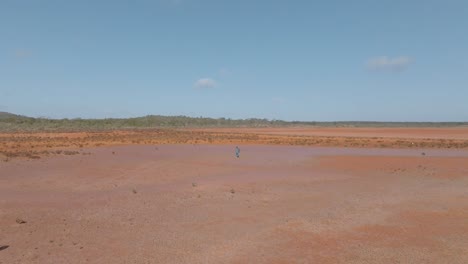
(11, 122)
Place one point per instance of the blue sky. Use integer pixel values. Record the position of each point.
(293, 60)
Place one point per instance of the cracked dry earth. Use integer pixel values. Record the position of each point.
(201, 204)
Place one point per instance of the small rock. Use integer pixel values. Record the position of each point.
(134, 191)
(20, 221)
(233, 191)
(194, 184)
(3, 248)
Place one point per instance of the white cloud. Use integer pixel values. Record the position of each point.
(205, 83)
(384, 63)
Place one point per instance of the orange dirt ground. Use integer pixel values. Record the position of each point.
(36, 145)
(420, 133)
(165, 196)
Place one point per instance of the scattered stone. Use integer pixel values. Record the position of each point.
(113, 152)
(69, 152)
(423, 153)
(134, 191)
(194, 184)
(20, 221)
(233, 191)
(3, 247)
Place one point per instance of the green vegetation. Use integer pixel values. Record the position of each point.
(5, 115)
(10, 122)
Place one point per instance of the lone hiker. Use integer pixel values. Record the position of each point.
(237, 151)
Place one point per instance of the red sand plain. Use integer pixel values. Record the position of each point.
(197, 203)
(34, 145)
(385, 132)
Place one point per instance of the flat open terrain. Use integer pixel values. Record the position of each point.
(396, 132)
(34, 145)
(175, 197)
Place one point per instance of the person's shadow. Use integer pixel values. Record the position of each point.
(3, 247)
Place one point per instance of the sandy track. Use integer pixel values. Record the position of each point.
(199, 204)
